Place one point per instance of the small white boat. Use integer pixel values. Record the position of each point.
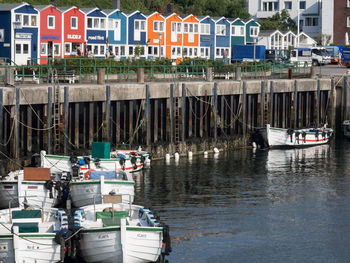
(121, 233)
(346, 128)
(278, 137)
(88, 189)
(29, 236)
(32, 186)
(76, 164)
(145, 157)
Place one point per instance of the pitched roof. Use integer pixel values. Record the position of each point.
(8, 7)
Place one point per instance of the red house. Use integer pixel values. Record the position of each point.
(50, 33)
(73, 31)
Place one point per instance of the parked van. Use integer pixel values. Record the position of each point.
(320, 56)
(302, 56)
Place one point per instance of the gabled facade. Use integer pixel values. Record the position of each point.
(190, 36)
(305, 41)
(173, 36)
(96, 32)
(275, 39)
(289, 39)
(155, 35)
(252, 31)
(238, 32)
(206, 37)
(137, 34)
(222, 38)
(117, 33)
(50, 33)
(73, 31)
(20, 26)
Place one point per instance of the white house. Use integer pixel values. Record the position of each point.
(275, 39)
(315, 16)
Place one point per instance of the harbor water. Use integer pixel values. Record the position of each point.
(254, 205)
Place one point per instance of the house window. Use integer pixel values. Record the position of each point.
(43, 49)
(311, 21)
(51, 22)
(191, 28)
(302, 5)
(25, 20)
(122, 51)
(18, 18)
(131, 51)
(74, 22)
(254, 31)
(185, 28)
(25, 49)
(205, 29)
(67, 48)
(33, 20)
(102, 50)
(348, 1)
(96, 23)
(103, 23)
(348, 21)
(56, 49)
(179, 27)
(288, 5)
(158, 26)
(89, 22)
(270, 6)
(18, 48)
(220, 30)
(140, 25)
(196, 28)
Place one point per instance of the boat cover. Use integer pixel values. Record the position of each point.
(98, 174)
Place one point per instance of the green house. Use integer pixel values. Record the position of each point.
(237, 32)
(252, 31)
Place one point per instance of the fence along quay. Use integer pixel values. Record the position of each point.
(162, 117)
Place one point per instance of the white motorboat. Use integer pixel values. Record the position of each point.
(278, 137)
(32, 186)
(346, 128)
(145, 157)
(121, 233)
(81, 164)
(30, 236)
(88, 189)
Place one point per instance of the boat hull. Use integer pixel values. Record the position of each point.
(104, 245)
(278, 137)
(83, 193)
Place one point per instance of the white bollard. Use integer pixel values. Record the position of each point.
(190, 154)
(216, 150)
(177, 156)
(167, 157)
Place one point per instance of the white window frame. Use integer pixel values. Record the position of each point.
(20, 18)
(87, 23)
(141, 21)
(23, 16)
(177, 27)
(220, 30)
(36, 20)
(158, 23)
(48, 22)
(205, 29)
(254, 31)
(59, 49)
(291, 4)
(348, 21)
(70, 48)
(45, 46)
(238, 31)
(76, 22)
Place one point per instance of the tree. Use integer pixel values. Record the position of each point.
(280, 21)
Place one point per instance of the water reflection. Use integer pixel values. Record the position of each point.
(263, 206)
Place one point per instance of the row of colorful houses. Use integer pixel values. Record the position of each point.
(38, 32)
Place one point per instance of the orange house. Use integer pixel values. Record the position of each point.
(155, 35)
(190, 36)
(173, 36)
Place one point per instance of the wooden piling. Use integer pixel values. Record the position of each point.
(49, 120)
(244, 108)
(345, 98)
(2, 141)
(155, 122)
(333, 104)
(16, 120)
(295, 107)
(108, 112)
(91, 123)
(318, 103)
(215, 97)
(183, 115)
(117, 123)
(172, 115)
(66, 123)
(272, 107)
(262, 104)
(148, 114)
(76, 125)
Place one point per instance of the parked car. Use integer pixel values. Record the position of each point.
(320, 56)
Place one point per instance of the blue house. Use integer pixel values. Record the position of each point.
(137, 33)
(117, 33)
(222, 38)
(96, 28)
(19, 36)
(206, 37)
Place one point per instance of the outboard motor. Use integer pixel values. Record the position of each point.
(133, 160)
(260, 138)
(49, 185)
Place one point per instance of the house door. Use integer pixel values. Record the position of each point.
(49, 49)
(173, 32)
(137, 31)
(22, 51)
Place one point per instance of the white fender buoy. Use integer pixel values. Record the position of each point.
(190, 154)
(167, 157)
(254, 145)
(216, 150)
(148, 161)
(139, 149)
(216, 155)
(177, 156)
(205, 154)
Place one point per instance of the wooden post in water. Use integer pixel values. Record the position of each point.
(148, 116)
(1, 119)
(183, 115)
(155, 118)
(76, 124)
(66, 112)
(262, 104)
(117, 122)
(272, 104)
(49, 120)
(91, 123)
(16, 130)
(244, 107)
(295, 107)
(318, 102)
(172, 116)
(108, 112)
(215, 96)
(345, 101)
(333, 105)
